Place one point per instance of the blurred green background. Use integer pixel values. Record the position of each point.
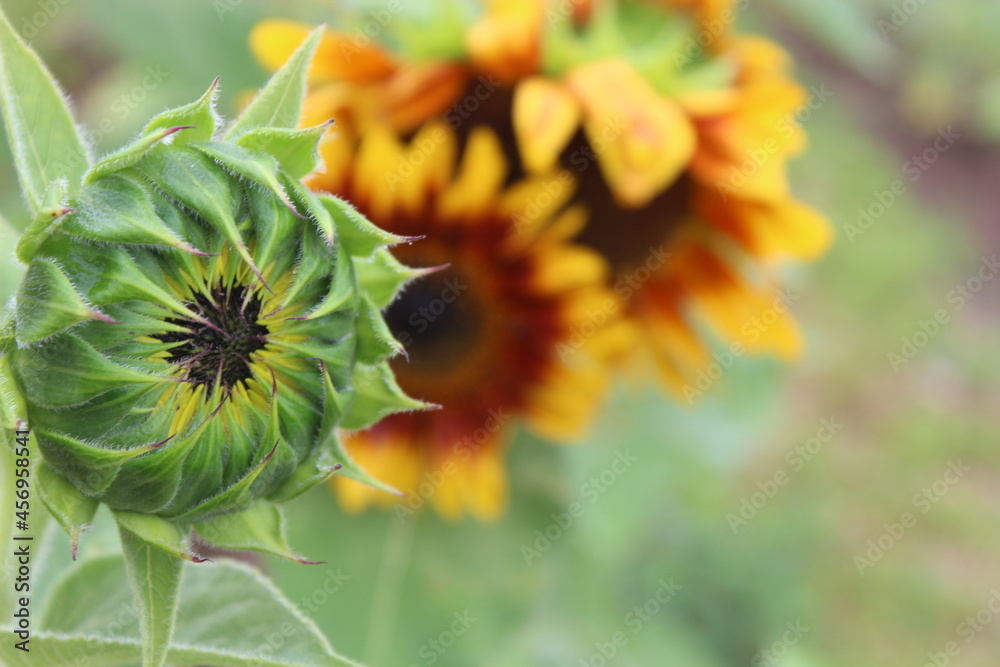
(784, 587)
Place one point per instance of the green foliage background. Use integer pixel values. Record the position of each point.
(396, 586)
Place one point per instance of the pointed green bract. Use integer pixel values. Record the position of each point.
(155, 576)
(48, 303)
(361, 237)
(259, 528)
(199, 118)
(73, 510)
(297, 151)
(46, 220)
(279, 103)
(40, 128)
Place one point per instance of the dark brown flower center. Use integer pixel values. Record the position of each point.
(219, 348)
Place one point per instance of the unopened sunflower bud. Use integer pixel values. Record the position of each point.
(190, 331)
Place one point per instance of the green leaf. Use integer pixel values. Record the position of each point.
(40, 128)
(297, 151)
(226, 611)
(155, 576)
(10, 269)
(259, 528)
(73, 510)
(279, 103)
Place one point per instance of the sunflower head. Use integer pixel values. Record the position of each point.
(191, 329)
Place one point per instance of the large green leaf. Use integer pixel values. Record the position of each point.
(43, 137)
(229, 616)
(155, 575)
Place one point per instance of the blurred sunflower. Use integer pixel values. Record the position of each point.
(489, 330)
(690, 126)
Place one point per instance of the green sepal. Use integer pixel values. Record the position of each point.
(297, 151)
(335, 405)
(73, 510)
(381, 276)
(41, 132)
(13, 411)
(89, 467)
(47, 303)
(342, 292)
(234, 499)
(310, 204)
(318, 467)
(116, 210)
(375, 341)
(258, 168)
(199, 116)
(360, 237)
(46, 221)
(155, 578)
(193, 179)
(131, 154)
(279, 102)
(261, 527)
(159, 532)
(377, 395)
(80, 375)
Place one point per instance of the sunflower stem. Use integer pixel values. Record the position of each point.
(389, 589)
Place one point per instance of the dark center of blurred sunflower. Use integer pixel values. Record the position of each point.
(220, 347)
(626, 237)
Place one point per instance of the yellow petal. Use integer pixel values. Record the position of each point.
(338, 56)
(545, 117)
(379, 171)
(479, 179)
(428, 165)
(562, 268)
(643, 141)
(507, 41)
